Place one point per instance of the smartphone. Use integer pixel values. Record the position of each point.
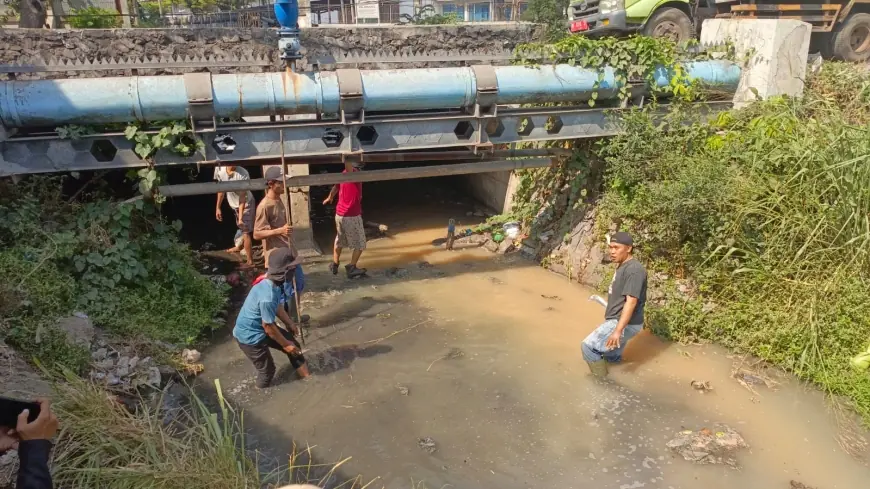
(11, 408)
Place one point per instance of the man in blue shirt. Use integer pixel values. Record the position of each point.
(256, 328)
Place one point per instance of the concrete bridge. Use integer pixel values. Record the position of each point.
(329, 107)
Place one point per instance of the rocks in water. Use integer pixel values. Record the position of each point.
(78, 328)
(427, 444)
(396, 272)
(472, 240)
(797, 485)
(403, 390)
(708, 446)
(491, 246)
(702, 385)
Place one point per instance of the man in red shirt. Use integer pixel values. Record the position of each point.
(350, 231)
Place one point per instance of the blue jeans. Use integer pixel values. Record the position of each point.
(594, 348)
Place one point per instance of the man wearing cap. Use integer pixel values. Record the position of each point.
(623, 316)
(349, 227)
(270, 225)
(257, 330)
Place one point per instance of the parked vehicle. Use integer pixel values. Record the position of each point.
(841, 28)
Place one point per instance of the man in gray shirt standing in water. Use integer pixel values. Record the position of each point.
(623, 317)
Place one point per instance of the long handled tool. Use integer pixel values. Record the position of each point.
(287, 217)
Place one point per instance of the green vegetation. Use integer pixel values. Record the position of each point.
(767, 209)
(427, 15)
(551, 14)
(94, 18)
(120, 263)
(103, 444)
(634, 60)
(765, 212)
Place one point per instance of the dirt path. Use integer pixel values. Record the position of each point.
(492, 373)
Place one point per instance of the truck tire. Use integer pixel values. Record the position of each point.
(851, 40)
(669, 23)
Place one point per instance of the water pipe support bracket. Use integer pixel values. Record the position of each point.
(350, 88)
(487, 90)
(200, 96)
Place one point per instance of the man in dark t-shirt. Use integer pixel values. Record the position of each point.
(623, 316)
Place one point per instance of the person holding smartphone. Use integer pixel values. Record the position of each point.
(33, 441)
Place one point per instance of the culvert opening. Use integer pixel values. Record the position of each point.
(411, 207)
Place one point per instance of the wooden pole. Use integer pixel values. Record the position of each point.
(287, 217)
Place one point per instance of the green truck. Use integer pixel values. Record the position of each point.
(841, 28)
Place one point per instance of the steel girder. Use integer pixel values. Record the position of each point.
(256, 141)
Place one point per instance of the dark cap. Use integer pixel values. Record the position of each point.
(622, 238)
(273, 173)
(279, 264)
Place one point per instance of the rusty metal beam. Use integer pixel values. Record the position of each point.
(361, 176)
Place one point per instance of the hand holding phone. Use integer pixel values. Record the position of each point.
(11, 408)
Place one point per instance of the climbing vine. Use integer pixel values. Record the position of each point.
(173, 136)
(635, 60)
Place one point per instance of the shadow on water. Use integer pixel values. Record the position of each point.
(331, 360)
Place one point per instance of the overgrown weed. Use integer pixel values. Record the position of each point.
(104, 444)
(120, 263)
(765, 210)
(768, 209)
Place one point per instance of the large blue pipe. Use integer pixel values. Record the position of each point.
(152, 98)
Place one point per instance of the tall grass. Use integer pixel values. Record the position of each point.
(102, 444)
(767, 210)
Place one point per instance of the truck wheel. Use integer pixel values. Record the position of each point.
(852, 39)
(669, 23)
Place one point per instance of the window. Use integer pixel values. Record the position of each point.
(479, 12)
(507, 11)
(452, 8)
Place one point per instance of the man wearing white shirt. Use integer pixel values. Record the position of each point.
(243, 206)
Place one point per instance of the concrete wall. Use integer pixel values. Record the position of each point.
(493, 190)
(29, 45)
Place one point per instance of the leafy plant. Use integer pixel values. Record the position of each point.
(92, 17)
(635, 60)
(766, 210)
(174, 136)
(427, 15)
(551, 15)
(120, 263)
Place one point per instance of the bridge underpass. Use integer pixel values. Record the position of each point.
(333, 115)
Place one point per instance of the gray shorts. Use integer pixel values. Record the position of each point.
(247, 225)
(350, 232)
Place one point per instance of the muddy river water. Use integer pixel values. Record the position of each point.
(480, 353)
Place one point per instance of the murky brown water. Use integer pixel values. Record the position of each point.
(495, 378)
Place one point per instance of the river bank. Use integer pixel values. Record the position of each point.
(463, 368)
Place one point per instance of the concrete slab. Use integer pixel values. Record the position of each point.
(774, 54)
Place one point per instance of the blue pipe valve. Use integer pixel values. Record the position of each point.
(287, 15)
